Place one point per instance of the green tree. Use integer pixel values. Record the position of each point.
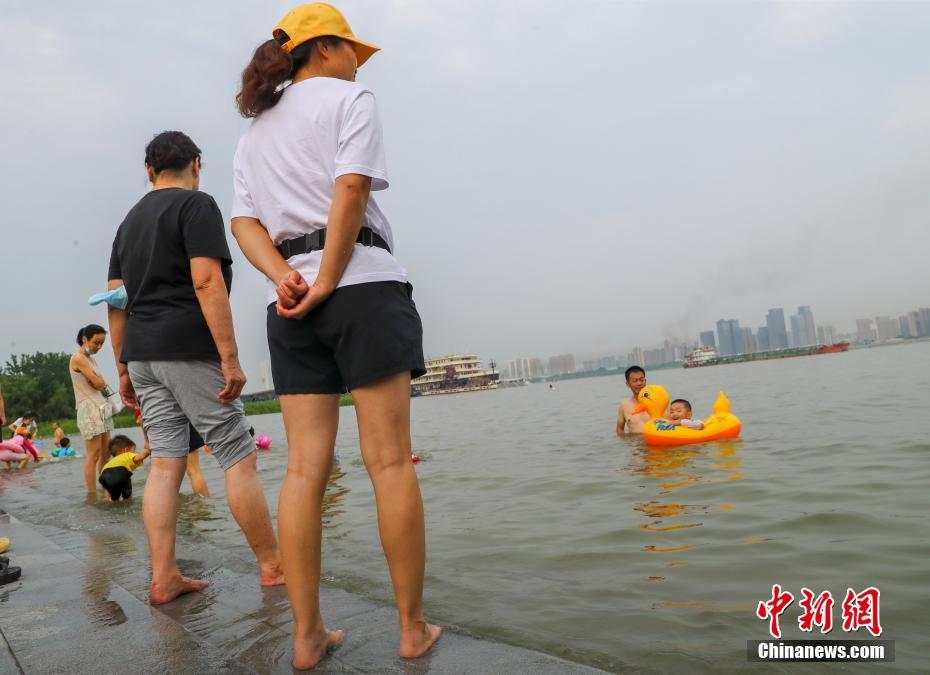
(38, 383)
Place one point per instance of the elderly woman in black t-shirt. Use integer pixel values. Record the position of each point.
(175, 348)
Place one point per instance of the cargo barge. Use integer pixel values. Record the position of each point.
(708, 357)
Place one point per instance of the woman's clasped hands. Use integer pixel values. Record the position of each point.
(296, 298)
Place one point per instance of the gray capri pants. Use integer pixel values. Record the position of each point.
(172, 393)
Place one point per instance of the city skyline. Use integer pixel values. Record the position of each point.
(804, 332)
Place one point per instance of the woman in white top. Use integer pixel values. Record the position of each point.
(340, 311)
(94, 416)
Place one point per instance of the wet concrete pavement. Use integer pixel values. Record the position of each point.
(81, 606)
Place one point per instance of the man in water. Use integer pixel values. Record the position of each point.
(628, 421)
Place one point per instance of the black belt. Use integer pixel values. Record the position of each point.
(314, 241)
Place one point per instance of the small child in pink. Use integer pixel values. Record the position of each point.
(24, 440)
(13, 451)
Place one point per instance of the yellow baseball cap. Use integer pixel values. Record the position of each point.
(316, 19)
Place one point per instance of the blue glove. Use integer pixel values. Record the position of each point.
(117, 298)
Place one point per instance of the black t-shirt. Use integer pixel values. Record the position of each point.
(151, 254)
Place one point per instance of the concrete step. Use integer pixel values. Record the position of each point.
(81, 606)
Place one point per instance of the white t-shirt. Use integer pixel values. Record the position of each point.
(32, 427)
(287, 163)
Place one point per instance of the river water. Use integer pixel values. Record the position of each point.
(547, 531)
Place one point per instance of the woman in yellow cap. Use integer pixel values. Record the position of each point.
(340, 311)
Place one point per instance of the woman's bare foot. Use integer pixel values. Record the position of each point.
(270, 575)
(159, 594)
(418, 639)
(309, 651)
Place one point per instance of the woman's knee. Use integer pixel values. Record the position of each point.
(386, 463)
(316, 468)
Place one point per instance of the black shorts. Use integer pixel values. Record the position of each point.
(117, 481)
(360, 334)
(196, 440)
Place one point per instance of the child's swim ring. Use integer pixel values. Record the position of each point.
(721, 424)
(11, 452)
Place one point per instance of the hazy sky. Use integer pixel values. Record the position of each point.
(565, 175)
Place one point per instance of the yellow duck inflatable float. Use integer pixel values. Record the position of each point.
(653, 399)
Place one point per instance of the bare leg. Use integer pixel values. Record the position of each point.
(160, 514)
(311, 421)
(198, 482)
(384, 431)
(103, 455)
(92, 449)
(249, 508)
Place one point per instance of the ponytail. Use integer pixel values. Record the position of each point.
(271, 66)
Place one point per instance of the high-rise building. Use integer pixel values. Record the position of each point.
(923, 327)
(635, 357)
(775, 322)
(537, 367)
(707, 339)
(913, 319)
(653, 357)
(826, 335)
(908, 325)
(607, 363)
(762, 339)
(886, 328)
(524, 368)
(796, 338)
(265, 377)
(668, 351)
(864, 330)
(747, 341)
(729, 337)
(809, 328)
(563, 364)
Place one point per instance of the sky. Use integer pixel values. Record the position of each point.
(566, 176)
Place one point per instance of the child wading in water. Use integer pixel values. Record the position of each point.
(116, 477)
(58, 432)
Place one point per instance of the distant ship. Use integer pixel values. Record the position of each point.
(707, 356)
(453, 374)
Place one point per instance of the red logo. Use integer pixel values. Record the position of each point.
(817, 612)
(860, 610)
(773, 608)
